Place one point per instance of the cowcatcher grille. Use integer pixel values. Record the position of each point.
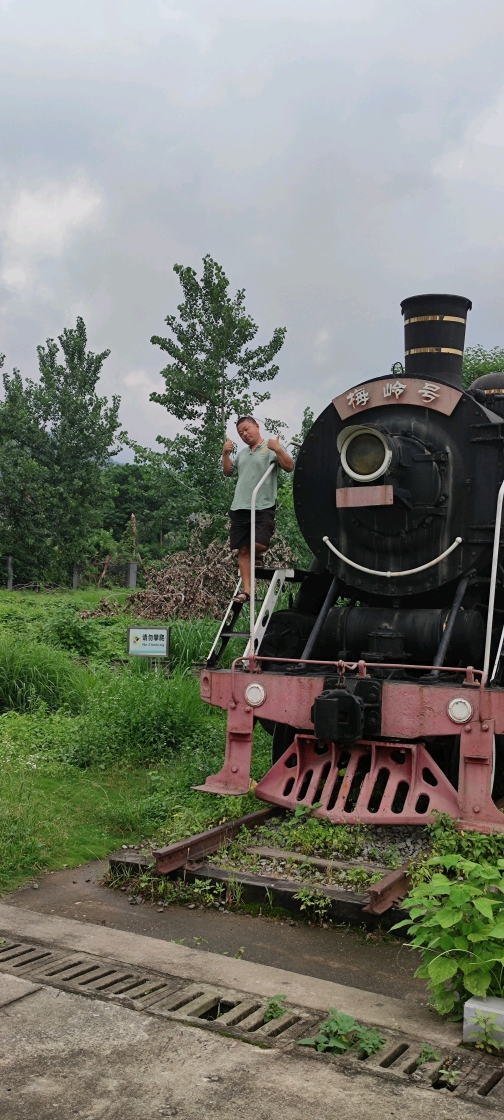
(374, 782)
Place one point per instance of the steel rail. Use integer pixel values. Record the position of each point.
(205, 843)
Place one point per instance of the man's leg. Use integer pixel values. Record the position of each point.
(244, 563)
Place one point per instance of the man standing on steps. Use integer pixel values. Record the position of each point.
(250, 466)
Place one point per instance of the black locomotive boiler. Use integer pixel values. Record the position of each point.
(397, 492)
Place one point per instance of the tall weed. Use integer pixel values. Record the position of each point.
(32, 674)
(138, 717)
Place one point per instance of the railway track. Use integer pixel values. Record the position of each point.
(190, 858)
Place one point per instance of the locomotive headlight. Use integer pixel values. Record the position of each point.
(365, 453)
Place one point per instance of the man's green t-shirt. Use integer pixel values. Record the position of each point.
(250, 466)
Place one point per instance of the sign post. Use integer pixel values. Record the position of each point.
(149, 641)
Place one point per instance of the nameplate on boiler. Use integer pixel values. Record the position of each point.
(348, 497)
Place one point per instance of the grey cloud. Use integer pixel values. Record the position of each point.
(314, 150)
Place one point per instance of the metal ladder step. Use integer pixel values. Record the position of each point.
(267, 606)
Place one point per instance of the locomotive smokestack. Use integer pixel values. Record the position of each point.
(434, 333)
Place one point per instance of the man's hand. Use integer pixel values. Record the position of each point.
(227, 463)
(284, 460)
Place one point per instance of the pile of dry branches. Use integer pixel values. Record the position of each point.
(105, 609)
(198, 582)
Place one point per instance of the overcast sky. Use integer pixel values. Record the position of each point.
(334, 156)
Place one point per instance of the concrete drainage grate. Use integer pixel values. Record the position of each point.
(204, 1005)
(472, 1075)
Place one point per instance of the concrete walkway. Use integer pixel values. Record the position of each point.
(66, 1055)
(247, 976)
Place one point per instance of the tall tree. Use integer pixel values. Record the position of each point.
(157, 495)
(209, 375)
(56, 435)
(478, 361)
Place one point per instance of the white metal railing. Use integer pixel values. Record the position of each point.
(252, 554)
(493, 581)
(225, 620)
(393, 575)
(277, 584)
(251, 645)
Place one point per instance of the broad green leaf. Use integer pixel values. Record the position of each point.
(448, 917)
(460, 942)
(477, 982)
(450, 861)
(444, 1002)
(481, 935)
(484, 906)
(498, 931)
(440, 884)
(460, 894)
(442, 968)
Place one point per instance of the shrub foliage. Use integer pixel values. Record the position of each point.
(456, 919)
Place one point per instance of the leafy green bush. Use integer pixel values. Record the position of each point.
(457, 922)
(341, 1033)
(448, 839)
(32, 674)
(69, 631)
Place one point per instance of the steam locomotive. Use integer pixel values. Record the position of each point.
(381, 684)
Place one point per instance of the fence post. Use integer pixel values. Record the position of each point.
(76, 574)
(131, 574)
(10, 573)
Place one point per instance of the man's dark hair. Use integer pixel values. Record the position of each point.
(242, 418)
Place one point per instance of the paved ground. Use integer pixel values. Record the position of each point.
(68, 1056)
(343, 955)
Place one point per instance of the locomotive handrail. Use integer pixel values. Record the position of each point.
(252, 549)
(361, 666)
(394, 575)
(493, 580)
(252, 555)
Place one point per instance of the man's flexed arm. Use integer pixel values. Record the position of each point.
(227, 462)
(284, 460)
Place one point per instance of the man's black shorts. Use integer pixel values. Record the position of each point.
(240, 526)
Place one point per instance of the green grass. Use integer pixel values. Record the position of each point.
(53, 618)
(54, 814)
(94, 753)
(32, 674)
(64, 818)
